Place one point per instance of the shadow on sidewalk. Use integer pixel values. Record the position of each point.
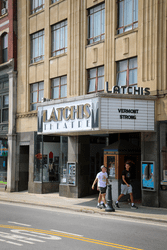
(91, 201)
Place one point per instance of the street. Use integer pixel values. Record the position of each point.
(38, 227)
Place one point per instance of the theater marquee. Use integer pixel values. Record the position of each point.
(99, 113)
(69, 117)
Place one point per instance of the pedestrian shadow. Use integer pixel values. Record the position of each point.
(89, 201)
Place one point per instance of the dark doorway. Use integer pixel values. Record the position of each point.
(23, 168)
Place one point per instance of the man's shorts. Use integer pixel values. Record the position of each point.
(125, 189)
(102, 190)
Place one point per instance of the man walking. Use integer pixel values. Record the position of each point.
(102, 179)
(126, 187)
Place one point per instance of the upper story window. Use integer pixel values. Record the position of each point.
(37, 5)
(127, 72)
(96, 79)
(96, 23)
(4, 105)
(5, 48)
(54, 1)
(59, 87)
(4, 7)
(127, 15)
(4, 100)
(59, 38)
(36, 94)
(37, 46)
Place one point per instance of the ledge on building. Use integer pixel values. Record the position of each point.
(26, 114)
(9, 64)
(2, 16)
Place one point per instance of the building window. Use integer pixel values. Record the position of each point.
(127, 15)
(4, 4)
(5, 48)
(96, 79)
(96, 24)
(4, 7)
(37, 46)
(59, 87)
(54, 1)
(36, 94)
(37, 5)
(4, 104)
(59, 38)
(54, 159)
(4, 85)
(127, 72)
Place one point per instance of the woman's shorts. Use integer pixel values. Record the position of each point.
(102, 190)
(125, 189)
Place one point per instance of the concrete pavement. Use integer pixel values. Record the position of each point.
(87, 205)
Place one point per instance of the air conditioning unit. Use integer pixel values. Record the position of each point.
(3, 11)
(165, 175)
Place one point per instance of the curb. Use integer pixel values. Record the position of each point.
(90, 211)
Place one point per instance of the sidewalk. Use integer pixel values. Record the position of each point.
(87, 205)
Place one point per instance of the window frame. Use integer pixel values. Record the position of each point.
(35, 6)
(127, 72)
(5, 47)
(63, 35)
(96, 79)
(54, 1)
(4, 108)
(102, 26)
(4, 88)
(58, 86)
(38, 92)
(35, 41)
(4, 5)
(133, 25)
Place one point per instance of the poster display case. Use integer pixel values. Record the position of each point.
(69, 174)
(148, 175)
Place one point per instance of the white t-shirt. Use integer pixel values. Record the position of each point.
(102, 179)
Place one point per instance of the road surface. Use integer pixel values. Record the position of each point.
(33, 227)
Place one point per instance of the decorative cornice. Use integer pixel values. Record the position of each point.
(26, 115)
(7, 65)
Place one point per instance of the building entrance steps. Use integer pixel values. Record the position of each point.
(86, 204)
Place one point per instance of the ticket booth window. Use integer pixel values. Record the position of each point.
(111, 166)
(115, 156)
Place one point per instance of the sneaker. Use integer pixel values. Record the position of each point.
(99, 206)
(116, 204)
(134, 207)
(102, 205)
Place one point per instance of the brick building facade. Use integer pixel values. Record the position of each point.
(8, 69)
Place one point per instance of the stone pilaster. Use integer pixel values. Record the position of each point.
(11, 133)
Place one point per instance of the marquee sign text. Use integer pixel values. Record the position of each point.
(130, 90)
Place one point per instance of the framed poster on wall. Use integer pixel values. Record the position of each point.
(71, 173)
(148, 175)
